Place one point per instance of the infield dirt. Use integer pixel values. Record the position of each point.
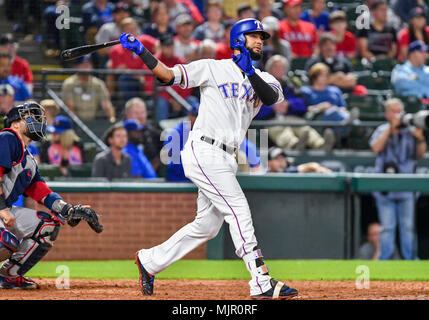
(82, 289)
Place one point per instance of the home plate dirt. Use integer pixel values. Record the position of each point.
(81, 289)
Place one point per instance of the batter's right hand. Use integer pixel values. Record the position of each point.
(8, 218)
(135, 46)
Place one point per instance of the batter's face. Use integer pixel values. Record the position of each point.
(254, 44)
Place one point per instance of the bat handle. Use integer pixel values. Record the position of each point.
(131, 38)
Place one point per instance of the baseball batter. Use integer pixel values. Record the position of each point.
(232, 91)
(26, 235)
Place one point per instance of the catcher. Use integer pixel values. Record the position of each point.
(27, 235)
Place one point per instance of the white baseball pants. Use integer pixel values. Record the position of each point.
(220, 198)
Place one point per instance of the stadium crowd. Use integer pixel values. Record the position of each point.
(331, 68)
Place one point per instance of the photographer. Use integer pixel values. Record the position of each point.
(398, 147)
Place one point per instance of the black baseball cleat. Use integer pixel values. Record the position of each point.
(19, 282)
(278, 291)
(146, 279)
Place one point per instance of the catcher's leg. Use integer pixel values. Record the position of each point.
(38, 231)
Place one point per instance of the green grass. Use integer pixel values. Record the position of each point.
(235, 269)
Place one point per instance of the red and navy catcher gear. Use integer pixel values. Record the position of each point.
(34, 116)
(240, 28)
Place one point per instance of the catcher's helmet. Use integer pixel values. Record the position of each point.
(240, 28)
(34, 116)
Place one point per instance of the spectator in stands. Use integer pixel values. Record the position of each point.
(416, 30)
(397, 149)
(21, 90)
(161, 25)
(412, 77)
(129, 86)
(403, 8)
(95, 13)
(379, 41)
(223, 50)
(51, 110)
(140, 165)
(7, 100)
(301, 35)
(213, 28)
(370, 250)
(167, 106)
(84, 94)
(291, 109)
(135, 108)
(20, 67)
(321, 98)
(341, 70)
(177, 7)
(207, 49)
(279, 162)
(64, 148)
(113, 163)
(244, 11)
(112, 30)
(317, 15)
(265, 8)
(185, 47)
(274, 45)
(345, 40)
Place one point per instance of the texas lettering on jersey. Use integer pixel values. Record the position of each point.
(233, 90)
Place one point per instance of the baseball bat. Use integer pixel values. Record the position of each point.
(74, 53)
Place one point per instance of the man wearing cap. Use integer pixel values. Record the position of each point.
(301, 35)
(84, 94)
(21, 90)
(412, 77)
(111, 30)
(185, 46)
(345, 40)
(341, 70)
(20, 67)
(140, 165)
(279, 162)
(113, 163)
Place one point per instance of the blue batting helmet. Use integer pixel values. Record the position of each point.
(240, 28)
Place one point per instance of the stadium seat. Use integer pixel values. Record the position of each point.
(383, 65)
(83, 170)
(370, 107)
(49, 171)
(298, 64)
(376, 81)
(412, 104)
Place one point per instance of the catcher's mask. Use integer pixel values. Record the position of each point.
(34, 116)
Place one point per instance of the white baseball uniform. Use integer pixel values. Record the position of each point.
(227, 107)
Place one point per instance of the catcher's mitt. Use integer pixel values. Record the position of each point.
(74, 214)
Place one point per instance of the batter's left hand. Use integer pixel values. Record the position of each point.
(135, 46)
(243, 60)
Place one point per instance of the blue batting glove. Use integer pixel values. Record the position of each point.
(135, 46)
(243, 60)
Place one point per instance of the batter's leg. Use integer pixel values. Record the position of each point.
(206, 226)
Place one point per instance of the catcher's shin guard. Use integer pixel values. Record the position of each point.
(8, 244)
(33, 249)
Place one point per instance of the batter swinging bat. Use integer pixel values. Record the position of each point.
(77, 52)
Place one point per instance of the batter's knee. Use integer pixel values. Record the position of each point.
(8, 244)
(208, 225)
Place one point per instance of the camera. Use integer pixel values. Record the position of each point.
(419, 119)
